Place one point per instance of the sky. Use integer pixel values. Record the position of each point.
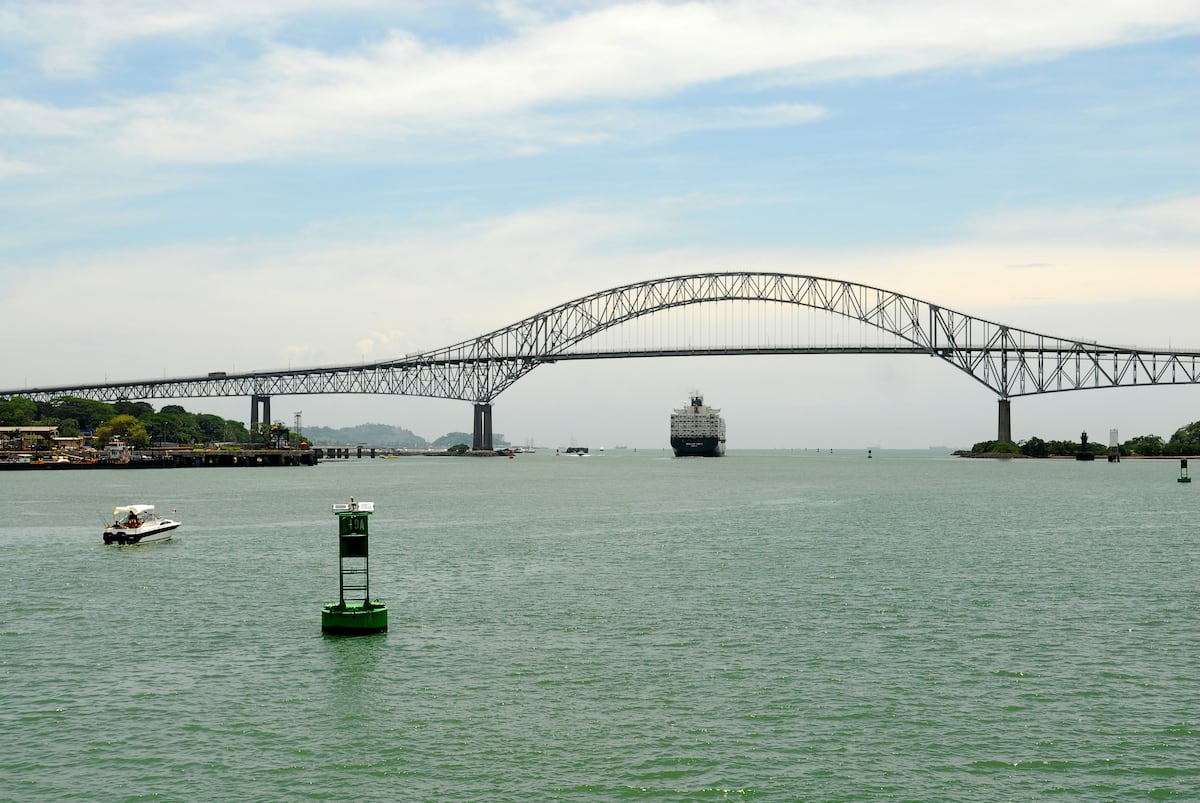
(189, 187)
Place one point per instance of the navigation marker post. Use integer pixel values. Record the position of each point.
(355, 613)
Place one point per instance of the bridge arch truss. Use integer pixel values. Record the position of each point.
(1010, 361)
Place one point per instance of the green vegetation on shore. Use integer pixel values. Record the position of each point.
(1185, 441)
(136, 423)
(139, 425)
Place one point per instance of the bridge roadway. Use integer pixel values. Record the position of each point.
(1011, 362)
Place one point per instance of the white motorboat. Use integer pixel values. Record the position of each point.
(138, 524)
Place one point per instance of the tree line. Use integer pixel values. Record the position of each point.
(1185, 441)
(137, 423)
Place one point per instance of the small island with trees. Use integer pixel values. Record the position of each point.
(1184, 443)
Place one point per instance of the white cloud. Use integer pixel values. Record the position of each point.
(28, 119)
(14, 168)
(555, 81)
(533, 77)
(75, 37)
(1175, 220)
(335, 300)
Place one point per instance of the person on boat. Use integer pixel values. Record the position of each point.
(133, 521)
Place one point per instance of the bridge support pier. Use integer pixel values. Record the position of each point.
(481, 435)
(255, 402)
(1004, 431)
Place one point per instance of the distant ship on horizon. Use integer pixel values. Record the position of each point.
(697, 430)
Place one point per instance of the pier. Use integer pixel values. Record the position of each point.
(164, 458)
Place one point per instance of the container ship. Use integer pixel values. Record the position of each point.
(697, 430)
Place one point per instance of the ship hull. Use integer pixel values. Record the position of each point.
(698, 447)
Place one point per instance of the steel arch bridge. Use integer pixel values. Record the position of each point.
(1011, 362)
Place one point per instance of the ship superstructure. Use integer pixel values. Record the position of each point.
(697, 430)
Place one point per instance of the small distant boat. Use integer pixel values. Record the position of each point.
(578, 451)
(138, 524)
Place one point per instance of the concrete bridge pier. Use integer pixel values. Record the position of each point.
(255, 402)
(1004, 432)
(481, 435)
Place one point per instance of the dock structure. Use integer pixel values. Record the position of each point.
(249, 457)
(159, 458)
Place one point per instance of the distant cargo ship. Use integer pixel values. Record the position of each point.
(697, 430)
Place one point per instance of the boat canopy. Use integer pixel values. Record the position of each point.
(138, 509)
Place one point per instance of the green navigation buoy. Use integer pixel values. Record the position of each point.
(355, 613)
(1183, 472)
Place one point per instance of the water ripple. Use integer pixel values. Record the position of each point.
(762, 627)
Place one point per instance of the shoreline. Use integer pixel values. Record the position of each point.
(1099, 458)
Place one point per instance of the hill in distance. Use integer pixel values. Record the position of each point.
(385, 436)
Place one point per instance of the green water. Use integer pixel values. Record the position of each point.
(769, 626)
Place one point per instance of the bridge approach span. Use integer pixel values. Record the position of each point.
(1010, 361)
